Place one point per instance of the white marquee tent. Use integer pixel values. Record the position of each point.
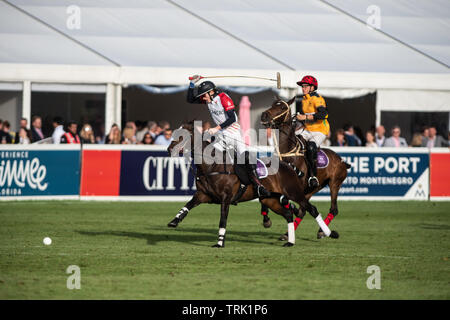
(103, 45)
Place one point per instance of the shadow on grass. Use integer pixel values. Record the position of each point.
(434, 226)
(267, 235)
(157, 235)
(201, 234)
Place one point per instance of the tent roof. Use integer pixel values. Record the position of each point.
(143, 33)
(311, 35)
(125, 39)
(422, 24)
(26, 40)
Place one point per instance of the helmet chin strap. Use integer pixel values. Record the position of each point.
(213, 95)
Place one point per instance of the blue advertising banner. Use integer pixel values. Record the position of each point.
(385, 174)
(154, 173)
(39, 171)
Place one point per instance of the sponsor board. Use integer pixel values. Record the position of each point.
(154, 173)
(148, 173)
(384, 173)
(440, 174)
(35, 171)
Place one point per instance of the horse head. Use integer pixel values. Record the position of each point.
(183, 137)
(278, 113)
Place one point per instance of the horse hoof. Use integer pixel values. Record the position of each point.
(218, 246)
(288, 244)
(334, 234)
(173, 223)
(267, 224)
(284, 237)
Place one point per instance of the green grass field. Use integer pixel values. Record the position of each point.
(126, 251)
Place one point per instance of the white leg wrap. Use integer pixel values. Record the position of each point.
(323, 226)
(181, 211)
(221, 236)
(291, 232)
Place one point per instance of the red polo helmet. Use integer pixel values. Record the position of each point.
(309, 80)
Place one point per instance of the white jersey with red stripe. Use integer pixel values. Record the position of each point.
(218, 108)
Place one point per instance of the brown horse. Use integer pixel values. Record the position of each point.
(217, 183)
(291, 149)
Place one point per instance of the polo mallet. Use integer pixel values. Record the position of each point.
(278, 79)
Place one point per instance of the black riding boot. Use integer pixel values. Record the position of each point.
(253, 176)
(311, 159)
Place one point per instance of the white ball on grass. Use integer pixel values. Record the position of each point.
(47, 241)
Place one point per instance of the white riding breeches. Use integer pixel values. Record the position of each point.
(317, 137)
(231, 139)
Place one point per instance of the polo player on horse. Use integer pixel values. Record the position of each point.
(313, 114)
(221, 108)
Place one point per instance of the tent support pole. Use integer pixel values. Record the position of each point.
(26, 101)
(118, 104)
(377, 114)
(109, 107)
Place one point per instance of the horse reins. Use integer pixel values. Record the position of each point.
(294, 152)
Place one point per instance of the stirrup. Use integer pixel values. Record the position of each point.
(313, 182)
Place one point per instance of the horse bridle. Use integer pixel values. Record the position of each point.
(294, 152)
(284, 113)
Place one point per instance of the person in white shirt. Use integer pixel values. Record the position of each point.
(379, 136)
(58, 131)
(24, 137)
(164, 139)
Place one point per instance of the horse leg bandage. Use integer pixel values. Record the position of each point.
(297, 222)
(182, 213)
(329, 218)
(291, 232)
(322, 225)
(221, 237)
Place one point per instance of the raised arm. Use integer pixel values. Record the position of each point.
(192, 92)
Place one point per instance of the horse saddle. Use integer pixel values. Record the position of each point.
(241, 171)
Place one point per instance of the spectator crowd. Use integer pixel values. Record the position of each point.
(350, 136)
(151, 132)
(160, 133)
